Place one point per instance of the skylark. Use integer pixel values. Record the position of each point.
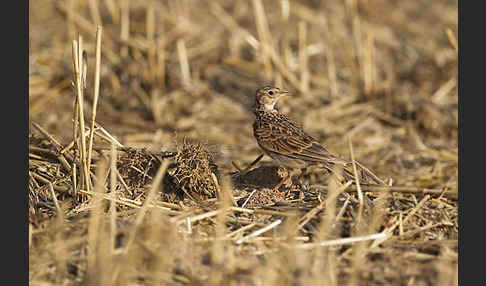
(286, 142)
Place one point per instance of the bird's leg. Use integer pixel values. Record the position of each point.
(252, 164)
(303, 171)
(283, 181)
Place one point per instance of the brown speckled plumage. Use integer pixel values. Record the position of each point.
(285, 141)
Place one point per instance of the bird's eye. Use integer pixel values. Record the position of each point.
(270, 92)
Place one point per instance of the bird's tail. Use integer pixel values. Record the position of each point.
(365, 176)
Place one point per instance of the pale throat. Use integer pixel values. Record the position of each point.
(270, 106)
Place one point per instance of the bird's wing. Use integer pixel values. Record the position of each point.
(280, 135)
(286, 137)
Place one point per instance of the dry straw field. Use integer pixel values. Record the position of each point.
(141, 145)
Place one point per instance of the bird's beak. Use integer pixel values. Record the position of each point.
(285, 93)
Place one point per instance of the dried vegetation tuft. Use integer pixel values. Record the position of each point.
(194, 172)
(116, 197)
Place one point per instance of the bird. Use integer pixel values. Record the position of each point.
(287, 143)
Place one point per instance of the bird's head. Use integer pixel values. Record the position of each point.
(268, 96)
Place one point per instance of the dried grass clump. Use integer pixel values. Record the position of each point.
(263, 197)
(137, 167)
(194, 172)
(44, 168)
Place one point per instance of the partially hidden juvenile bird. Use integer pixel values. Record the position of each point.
(286, 142)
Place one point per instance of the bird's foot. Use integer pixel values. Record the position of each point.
(304, 187)
(301, 188)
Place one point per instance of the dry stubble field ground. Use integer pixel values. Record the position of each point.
(161, 199)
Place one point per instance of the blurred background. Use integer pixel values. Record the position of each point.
(382, 72)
